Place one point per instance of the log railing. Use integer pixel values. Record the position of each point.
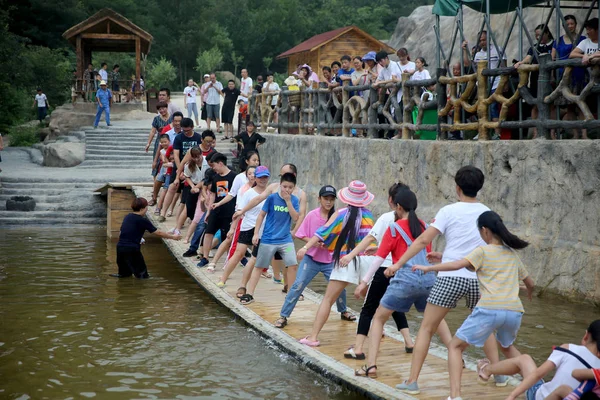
(318, 110)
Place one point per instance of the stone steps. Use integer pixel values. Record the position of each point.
(28, 220)
(70, 216)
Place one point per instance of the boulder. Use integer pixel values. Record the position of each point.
(65, 119)
(20, 203)
(63, 155)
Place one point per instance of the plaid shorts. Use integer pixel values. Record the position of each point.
(449, 289)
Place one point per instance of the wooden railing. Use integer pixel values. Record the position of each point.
(309, 111)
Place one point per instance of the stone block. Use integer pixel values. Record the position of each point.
(63, 155)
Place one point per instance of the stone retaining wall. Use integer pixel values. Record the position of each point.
(547, 192)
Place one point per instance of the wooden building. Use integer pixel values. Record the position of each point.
(107, 31)
(321, 50)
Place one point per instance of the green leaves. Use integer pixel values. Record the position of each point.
(208, 61)
(161, 74)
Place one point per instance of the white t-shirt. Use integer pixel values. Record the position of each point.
(565, 364)
(249, 220)
(588, 48)
(458, 223)
(190, 93)
(410, 66)
(420, 75)
(378, 230)
(195, 176)
(391, 70)
(41, 100)
(495, 61)
(103, 74)
(240, 180)
(246, 87)
(272, 87)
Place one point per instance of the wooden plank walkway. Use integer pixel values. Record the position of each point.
(337, 335)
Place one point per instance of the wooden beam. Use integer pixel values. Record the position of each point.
(79, 64)
(108, 36)
(138, 63)
(108, 26)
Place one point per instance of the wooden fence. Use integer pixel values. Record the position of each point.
(309, 111)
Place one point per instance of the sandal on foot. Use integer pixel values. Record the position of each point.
(346, 316)
(240, 292)
(266, 275)
(285, 289)
(301, 297)
(350, 353)
(481, 364)
(311, 343)
(366, 371)
(210, 268)
(152, 202)
(169, 213)
(157, 211)
(220, 284)
(409, 350)
(247, 299)
(280, 323)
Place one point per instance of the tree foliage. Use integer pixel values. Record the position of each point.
(161, 74)
(209, 60)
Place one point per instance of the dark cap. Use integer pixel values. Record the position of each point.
(381, 55)
(328, 190)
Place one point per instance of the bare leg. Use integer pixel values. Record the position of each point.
(361, 339)
(379, 319)
(560, 393)
(248, 272)
(171, 192)
(490, 348)
(444, 333)
(190, 231)
(207, 244)
(334, 289)
(208, 121)
(181, 219)
(408, 342)
(432, 318)
(277, 267)
(455, 365)
(156, 188)
(175, 202)
(218, 121)
(523, 364)
(161, 198)
(254, 278)
(233, 261)
(223, 248)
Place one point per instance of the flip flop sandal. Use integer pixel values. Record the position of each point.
(307, 342)
(346, 316)
(266, 275)
(210, 268)
(366, 371)
(281, 323)
(169, 213)
(240, 292)
(285, 289)
(351, 354)
(152, 202)
(301, 298)
(247, 299)
(408, 350)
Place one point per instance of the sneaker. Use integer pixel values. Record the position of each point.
(157, 211)
(174, 231)
(501, 380)
(278, 281)
(244, 261)
(189, 253)
(203, 263)
(410, 388)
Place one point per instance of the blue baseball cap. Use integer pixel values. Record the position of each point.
(369, 56)
(261, 172)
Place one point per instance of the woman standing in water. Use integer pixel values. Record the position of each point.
(129, 255)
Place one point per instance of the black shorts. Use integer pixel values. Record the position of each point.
(255, 250)
(245, 237)
(217, 223)
(190, 204)
(184, 193)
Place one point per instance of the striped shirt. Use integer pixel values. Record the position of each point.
(499, 271)
(330, 234)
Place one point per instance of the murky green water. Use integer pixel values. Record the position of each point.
(68, 330)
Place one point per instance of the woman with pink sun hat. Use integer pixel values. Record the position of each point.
(341, 234)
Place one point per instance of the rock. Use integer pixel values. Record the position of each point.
(547, 192)
(65, 118)
(225, 76)
(63, 155)
(415, 32)
(20, 203)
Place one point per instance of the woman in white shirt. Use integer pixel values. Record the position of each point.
(421, 73)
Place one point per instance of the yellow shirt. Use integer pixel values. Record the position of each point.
(499, 270)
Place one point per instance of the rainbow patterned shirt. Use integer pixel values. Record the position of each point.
(330, 234)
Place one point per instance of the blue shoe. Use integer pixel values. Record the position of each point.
(410, 388)
(202, 263)
(501, 380)
(244, 261)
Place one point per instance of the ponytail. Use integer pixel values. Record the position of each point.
(348, 233)
(494, 223)
(406, 199)
(594, 331)
(331, 212)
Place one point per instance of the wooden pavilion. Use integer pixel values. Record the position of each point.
(107, 31)
(321, 50)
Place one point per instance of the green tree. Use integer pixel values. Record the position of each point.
(237, 61)
(161, 74)
(267, 61)
(208, 61)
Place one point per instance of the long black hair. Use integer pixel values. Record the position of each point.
(594, 331)
(406, 199)
(348, 233)
(494, 223)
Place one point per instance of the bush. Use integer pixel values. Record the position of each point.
(161, 74)
(24, 136)
(208, 61)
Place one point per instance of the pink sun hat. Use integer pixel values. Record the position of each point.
(356, 194)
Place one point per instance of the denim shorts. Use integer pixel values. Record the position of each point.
(212, 111)
(167, 181)
(160, 177)
(407, 288)
(530, 394)
(484, 321)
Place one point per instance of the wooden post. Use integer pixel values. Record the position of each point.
(79, 65)
(138, 64)
(345, 111)
(544, 89)
(482, 108)
(119, 205)
(406, 95)
(441, 101)
(285, 111)
(372, 112)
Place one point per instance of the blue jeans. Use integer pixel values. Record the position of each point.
(192, 108)
(104, 109)
(307, 270)
(195, 243)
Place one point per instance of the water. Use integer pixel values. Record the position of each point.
(68, 330)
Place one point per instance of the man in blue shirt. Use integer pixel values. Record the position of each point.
(104, 100)
(278, 213)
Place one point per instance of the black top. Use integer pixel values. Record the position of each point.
(249, 141)
(221, 185)
(542, 48)
(184, 143)
(231, 96)
(132, 230)
(258, 87)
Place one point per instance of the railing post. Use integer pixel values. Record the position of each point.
(442, 98)
(372, 112)
(252, 105)
(543, 90)
(301, 113)
(285, 111)
(321, 116)
(345, 110)
(406, 96)
(482, 94)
